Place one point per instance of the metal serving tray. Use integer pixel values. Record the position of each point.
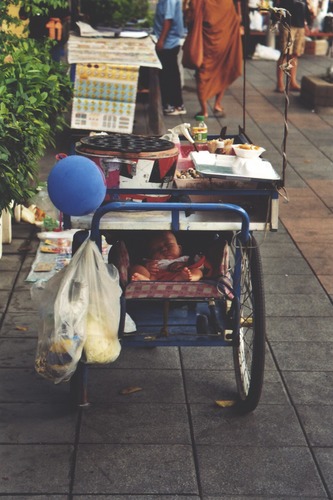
(226, 167)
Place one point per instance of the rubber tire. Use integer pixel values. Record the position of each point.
(249, 354)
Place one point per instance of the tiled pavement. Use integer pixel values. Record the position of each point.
(170, 441)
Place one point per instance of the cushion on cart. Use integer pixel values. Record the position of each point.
(181, 290)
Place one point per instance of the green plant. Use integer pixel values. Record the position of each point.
(34, 93)
(114, 12)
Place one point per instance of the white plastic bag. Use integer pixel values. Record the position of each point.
(103, 315)
(256, 21)
(79, 307)
(62, 303)
(268, 53)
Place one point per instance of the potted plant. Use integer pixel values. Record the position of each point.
(34, 93)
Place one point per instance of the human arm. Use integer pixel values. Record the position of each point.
(165, 30)
(152, 266)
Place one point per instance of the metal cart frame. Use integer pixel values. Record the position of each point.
(234, 314)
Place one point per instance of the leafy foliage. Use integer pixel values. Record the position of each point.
(114, 12)
(34, 91)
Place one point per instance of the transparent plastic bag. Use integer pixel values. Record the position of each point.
(62, 303)
(80, 305)
(103, 315)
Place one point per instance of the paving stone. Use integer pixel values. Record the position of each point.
(18, 352)
(158, 386)
(22, 246)
(291, 284)
(35, 469)
(298, 305)
(26, 386)
(279, 249)
(3, 300)
(135, 470)
(300, 329)
(284, 471)
(207, 386)
(310, 387)
(20, 324)
(136, 497)
(20, 301)
(311, 230)
(147, 357)
(213, 358)
(325, 459)
(37, 423)
(21, 282)
(253, 497)
(282, 266)
(326, 281)
(269, 425)
(10, 262)
(317, 421)
(145, 423)
(303, 356)
(37, 497)
(7, 280)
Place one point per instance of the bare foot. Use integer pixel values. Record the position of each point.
(183, 275)
(139, 277)
(205, 115)
(295, 87)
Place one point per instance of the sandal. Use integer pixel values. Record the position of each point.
(219, 113)
(200, 114)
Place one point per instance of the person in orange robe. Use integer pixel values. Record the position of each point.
(222, 50)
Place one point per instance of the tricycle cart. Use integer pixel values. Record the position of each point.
(214, 215)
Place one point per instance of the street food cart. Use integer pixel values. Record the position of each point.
(214, 203)
(214, 213)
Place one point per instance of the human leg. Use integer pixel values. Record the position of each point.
(294, 85)
(218, 101)
(139, 273)
(280, 75)
(163, 78)
(170, 81)
(285, 46)
(292, 47)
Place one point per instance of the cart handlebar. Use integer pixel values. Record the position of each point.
(174, 208)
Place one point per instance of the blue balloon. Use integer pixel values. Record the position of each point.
(76, 185)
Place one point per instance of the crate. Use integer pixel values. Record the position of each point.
(316, 47)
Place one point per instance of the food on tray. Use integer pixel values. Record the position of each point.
(248, 146)
(190, 173)
(227, 146)
(220, 146)
(214, 144)
(248, 151)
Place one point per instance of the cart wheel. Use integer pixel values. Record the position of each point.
(249, 349)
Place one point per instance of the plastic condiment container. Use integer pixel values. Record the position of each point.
(199, 130)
